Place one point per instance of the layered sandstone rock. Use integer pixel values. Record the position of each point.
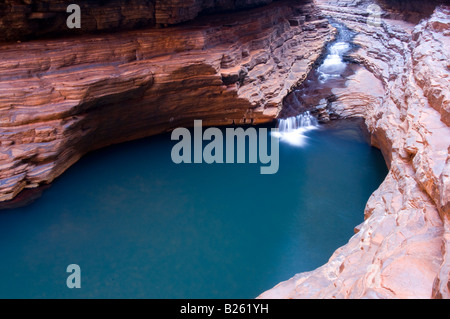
(62, 98)
(29, 19)
(402, 249)
(176, 11)
(22, 19)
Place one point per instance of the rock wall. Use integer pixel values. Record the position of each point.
(64, 97)
(176, 11)
(402, 249)
(31, 19)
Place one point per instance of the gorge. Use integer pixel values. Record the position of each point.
(125, 76)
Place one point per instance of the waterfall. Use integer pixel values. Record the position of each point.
(333, 65)
(315, 88)
(292, 129)
(302, 121)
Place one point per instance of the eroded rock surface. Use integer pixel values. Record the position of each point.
(29, 19)
(402, 248)
(64, 97)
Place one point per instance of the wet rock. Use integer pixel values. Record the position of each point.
(321, 111)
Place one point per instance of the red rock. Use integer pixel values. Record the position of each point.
(402, 248)
(62, 98)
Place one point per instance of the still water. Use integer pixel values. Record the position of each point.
(140, 226)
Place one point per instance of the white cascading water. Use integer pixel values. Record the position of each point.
(334, 65)
(292, 129)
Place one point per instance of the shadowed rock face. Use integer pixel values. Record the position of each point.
(176, 11)
(29, 19)
(64, 97)
(409, 10)
(402, 248)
